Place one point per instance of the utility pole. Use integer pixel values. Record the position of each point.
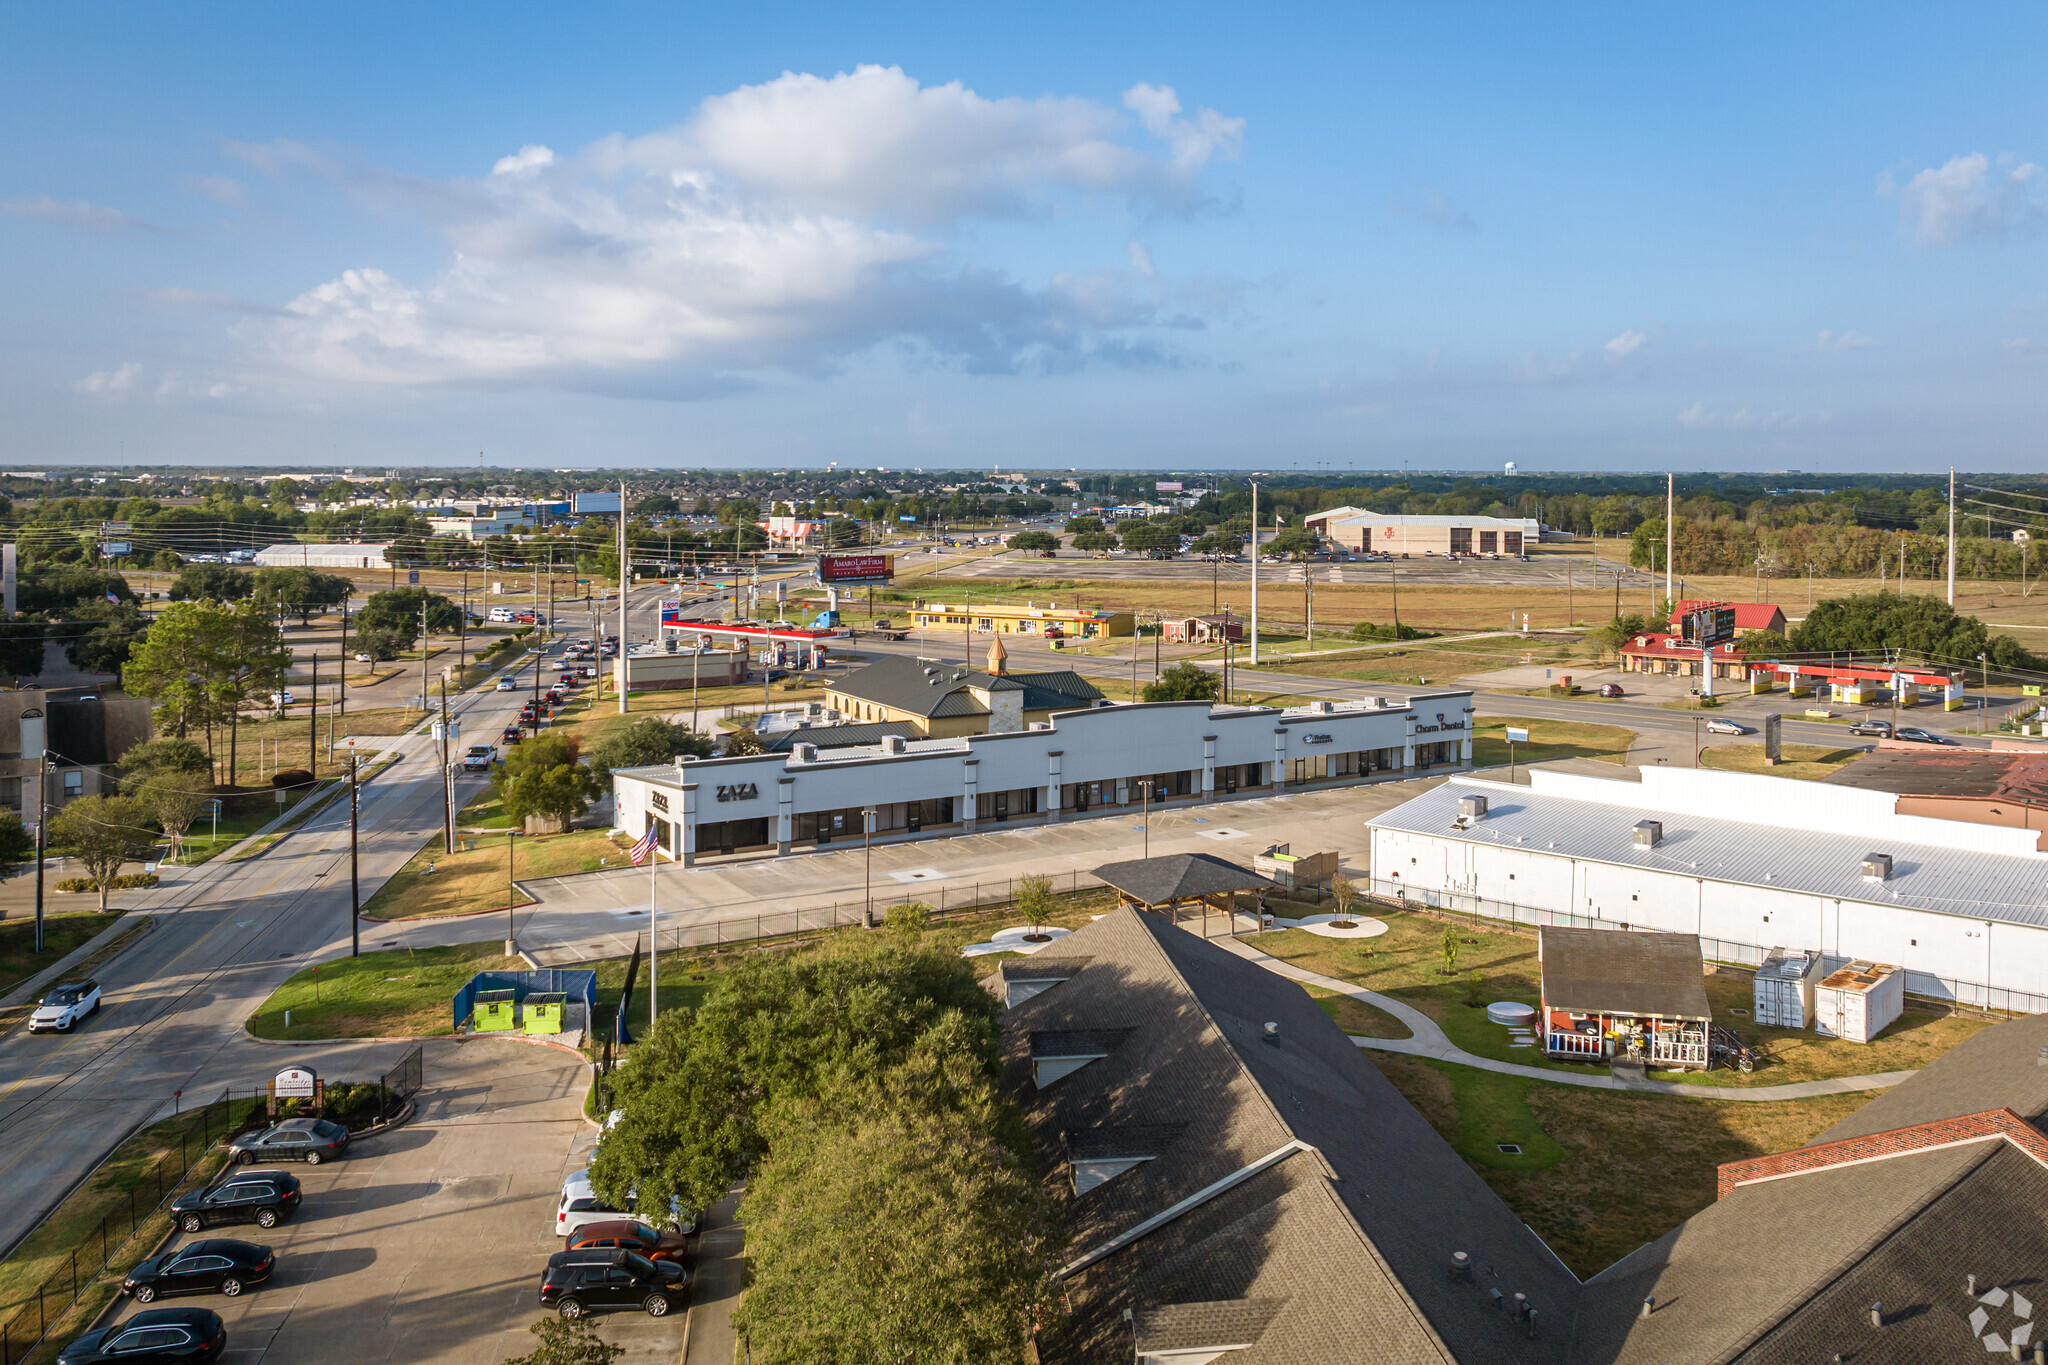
(313, 719)
(447, 778)
(355, 885)
(1255, 574)
(619, 660)
(1951, 535)
(1670, 531)
(423, 649)
(42, 820)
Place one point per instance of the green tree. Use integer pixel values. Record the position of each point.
(565, 1342)
(21, 650)
(657, 505)
(102, 833)
(174, 800)
(175, 664)
(252, 664)
(742, 743)
(646, 743)
(907, 920)
(159, 757)
(1035, 542)
(542, 779)
(1035, 904)
(1293, 543)
(1624, 628)
(1447, 947)
(15, 841)
(212, 582)
(1151, 538)
(1091, 542)
(1076, 525)
(99, 636)
(1920, 624)
(1185, 682)
(1218, 543)
(304, 591)
(395, 614)
(843, 532)
(166, 561)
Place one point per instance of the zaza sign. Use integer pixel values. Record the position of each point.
(738, 791)
(295, 1082)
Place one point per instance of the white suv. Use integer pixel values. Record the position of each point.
(65, 1006)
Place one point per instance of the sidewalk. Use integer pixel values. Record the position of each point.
(1429, 1041)
(719, 1274)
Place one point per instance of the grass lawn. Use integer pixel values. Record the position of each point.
(206, 840)
(79, 1221)
(61, 933)
(390, 994)
(1548, 739)
(1405, 963)
(470, 880)
(1810, 761)
(1600, 1172)
(1358, 1018)
(1438, 661)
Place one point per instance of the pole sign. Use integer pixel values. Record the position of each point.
(1517, 735)
(848, 569)
(412, 576)
(1712, 624)
(1773, 729)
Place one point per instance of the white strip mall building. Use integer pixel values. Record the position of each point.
(1079, 763)
(1749, 863)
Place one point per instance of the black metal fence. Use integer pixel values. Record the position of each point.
(30, 1315)
(400, 1084)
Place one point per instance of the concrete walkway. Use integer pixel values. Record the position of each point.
(1429, 1041)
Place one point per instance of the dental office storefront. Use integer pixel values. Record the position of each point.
(1104, 760)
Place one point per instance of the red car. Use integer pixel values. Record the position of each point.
(630, 1234)
(1611, 690)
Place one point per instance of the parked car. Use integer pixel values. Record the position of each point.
(309, 1140)
(218, 1265)
(630, 1234)
(364, 656)
(65, 1007)
(155, 1337)
(1726, 727)
(578, 1281)
(581, 1206)
(1916, 736)
(283, 698)
(1611, 690)
(479, 757)
(263, 1196)
(1878, 729)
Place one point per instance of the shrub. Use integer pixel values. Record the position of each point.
(133, 881)
(291, 777)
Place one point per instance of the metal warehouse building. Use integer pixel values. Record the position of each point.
(1078, 763)
(1749, 863)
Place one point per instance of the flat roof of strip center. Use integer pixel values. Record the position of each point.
(1756, 831)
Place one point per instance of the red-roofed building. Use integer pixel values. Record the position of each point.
(1670, 655)
(1750, 617)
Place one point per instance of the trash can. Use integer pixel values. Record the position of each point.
(544, 1013)
(496, 1011)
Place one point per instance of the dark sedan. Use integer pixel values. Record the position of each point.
(215, 1266)
(1916, 736)
(159, 1336)
(309, 1140)
(577, 1281)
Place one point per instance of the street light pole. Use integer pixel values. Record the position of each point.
(355, 885)
(867, 826)
(42, 822)
(511, 895)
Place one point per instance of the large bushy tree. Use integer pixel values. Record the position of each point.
(647, 742)
(303, 591)
(1873, 622)
(395, 614)
(212, 582)
(1185, 682)
(542, 778)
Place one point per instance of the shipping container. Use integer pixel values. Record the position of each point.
(1856, 1002)
(1784, 988)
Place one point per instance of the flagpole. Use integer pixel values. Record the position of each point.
(653, 925)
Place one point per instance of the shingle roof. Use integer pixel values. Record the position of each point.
(1180, 876)
(2000, 1068)
(1040, 967)
(1193, 1326)
(2021, 778)
(939, 690)
(1617, 971)
(1121, 1140)
(838, 736)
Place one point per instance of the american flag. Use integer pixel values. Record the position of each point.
(642, 847)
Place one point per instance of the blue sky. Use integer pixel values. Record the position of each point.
(1094, 236)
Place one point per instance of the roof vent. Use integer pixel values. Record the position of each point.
(1461, 1265)
(1877, 867)
(1649, 833)
(895, 744)
(1272, 1032)
(1041, 725)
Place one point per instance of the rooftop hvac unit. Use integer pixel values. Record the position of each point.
(1323, 708)
(895, 744)
(1471, 807)
(1784, 988)
(1649, 833)
(1877, 867)
(803, 753)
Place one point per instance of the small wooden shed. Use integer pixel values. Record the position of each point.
(1295, 871)
(1611, 992)
(1176, 880)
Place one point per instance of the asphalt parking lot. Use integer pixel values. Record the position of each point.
(426, 1244)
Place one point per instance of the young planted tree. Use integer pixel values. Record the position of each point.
(568, 1342)
(174, 800)
(1185, 682)
(102, 833)
(1448, 946)
(1034, 901)
(1343, 892)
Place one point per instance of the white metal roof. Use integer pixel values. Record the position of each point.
(1966, 881)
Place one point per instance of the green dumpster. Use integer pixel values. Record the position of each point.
(544, 1013)
(495, 1011)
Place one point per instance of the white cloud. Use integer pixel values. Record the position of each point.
(783, 226)
(2025, 348)
(221, 189)
(114, 381)
(1968, 197)
(1141, 258)
(68, 213)
(1842, 341)
(1627, 344)
(1430, 206)
(1697, 418)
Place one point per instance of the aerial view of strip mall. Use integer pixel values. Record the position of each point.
(917, 686)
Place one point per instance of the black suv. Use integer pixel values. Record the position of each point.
(263, 1197)
(155, 1337)
(577, 1281)
(309, 1140)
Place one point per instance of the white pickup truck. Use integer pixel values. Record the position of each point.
(479, 757)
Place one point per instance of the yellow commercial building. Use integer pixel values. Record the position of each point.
(1029, 619)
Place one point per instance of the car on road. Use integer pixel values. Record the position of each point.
(1611, 690)
(1917, 736)
(283, 698)
(577, 1281)
(309, 1140)
(562, 666)
(264, 1197)
(1876, 729)
(65, 1007)
(216, 1266)
(512, 734)
(630, 1234)
(508, 683)
(156, 1336)
(1726, 727)
(478, 758)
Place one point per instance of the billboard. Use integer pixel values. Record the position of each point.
(597, 502)
(1713, 624)
(1166, 486)
(856, 568)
